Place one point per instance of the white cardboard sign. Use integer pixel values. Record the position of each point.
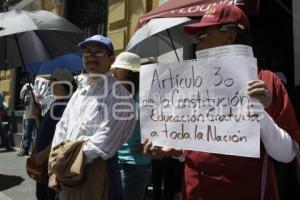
(202, 104)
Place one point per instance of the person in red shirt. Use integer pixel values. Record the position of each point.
(210, 176)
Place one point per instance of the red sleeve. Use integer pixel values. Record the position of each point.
(281, 109)
(191, 181)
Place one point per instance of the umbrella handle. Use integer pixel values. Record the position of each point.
(23, 65)
(169, 34)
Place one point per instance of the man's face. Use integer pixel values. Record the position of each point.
(96, 59)
(212, 36)
(121, 74)
(56, 88)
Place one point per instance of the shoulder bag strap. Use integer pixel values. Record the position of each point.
(264, 177)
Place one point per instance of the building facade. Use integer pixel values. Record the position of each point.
(115, 18)
(123, 16)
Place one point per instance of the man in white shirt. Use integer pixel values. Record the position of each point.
(101, 111)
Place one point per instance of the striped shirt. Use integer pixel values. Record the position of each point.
(102, 113)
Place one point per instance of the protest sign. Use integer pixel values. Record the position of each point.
(202, 104)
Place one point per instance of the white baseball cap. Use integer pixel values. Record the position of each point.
(127, 60)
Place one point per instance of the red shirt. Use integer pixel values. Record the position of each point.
(211, 176)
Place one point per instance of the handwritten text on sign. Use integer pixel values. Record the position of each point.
(201, 107)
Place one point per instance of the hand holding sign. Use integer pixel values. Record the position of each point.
(156, 152)
(258, 89)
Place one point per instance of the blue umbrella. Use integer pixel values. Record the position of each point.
(72, 62)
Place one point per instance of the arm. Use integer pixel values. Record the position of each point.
(272, 95)
(61, 127)
(24, 91)
(277, 141)
(281, 109)
(43, 155)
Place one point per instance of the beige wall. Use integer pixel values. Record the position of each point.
(46, 5)
(123, 16)
(56, 9)
(6, 85)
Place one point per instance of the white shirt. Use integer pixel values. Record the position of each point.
(277, 142)
(93, 113)
(26, 96)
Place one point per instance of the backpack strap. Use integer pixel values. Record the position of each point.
(264, 176)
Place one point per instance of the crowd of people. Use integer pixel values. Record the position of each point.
(95, 123)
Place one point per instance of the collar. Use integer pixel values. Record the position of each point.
(87, 83)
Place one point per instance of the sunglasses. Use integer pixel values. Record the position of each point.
(97, 53)
(203, 33)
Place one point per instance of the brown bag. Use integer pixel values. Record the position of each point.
(37, 172)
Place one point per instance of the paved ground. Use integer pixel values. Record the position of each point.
(14, 182)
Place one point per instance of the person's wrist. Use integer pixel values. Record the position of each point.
(172, 152)
(177, 152)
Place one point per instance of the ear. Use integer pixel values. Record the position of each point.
(232, 36)
(112, 59)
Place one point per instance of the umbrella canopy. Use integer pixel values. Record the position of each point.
(35, 36)
(72, 62)
(160, 36)
(195, 8)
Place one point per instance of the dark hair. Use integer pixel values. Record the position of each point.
(244, 37)
(134, 77)
(67, 87)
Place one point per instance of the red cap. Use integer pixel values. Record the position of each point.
(219, 15)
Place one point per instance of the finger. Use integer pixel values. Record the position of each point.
(256, 84)
(258, 88)
(257, 91)
(145, 141)
(147, 147)
(249, 83)
(153, 148)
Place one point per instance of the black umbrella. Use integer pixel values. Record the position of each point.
(29, 37)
